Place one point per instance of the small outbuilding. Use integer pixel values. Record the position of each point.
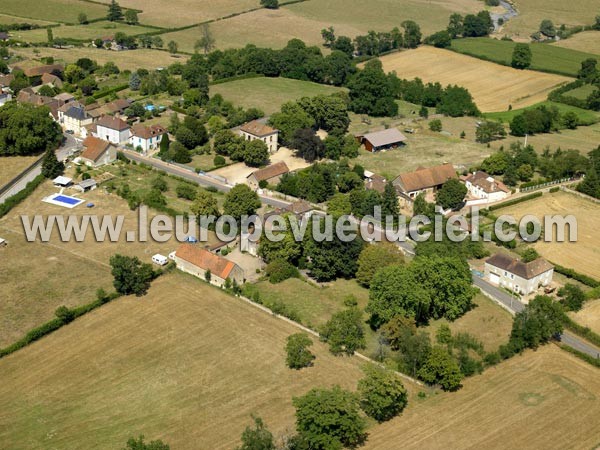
(270, 174)
(382, 140)
(3, 242)
(87, 185)
(62, 181)
(159, 259)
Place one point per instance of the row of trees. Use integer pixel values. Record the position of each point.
(374, 43)
(519, 163)
(542, 119)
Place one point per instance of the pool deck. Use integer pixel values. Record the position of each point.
(52, 199)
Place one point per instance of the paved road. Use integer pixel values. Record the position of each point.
(514, 305)
(202, 180)
(61, 153)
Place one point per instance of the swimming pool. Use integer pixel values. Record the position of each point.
(63, 200)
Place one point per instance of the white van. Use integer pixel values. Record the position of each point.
(160, 259)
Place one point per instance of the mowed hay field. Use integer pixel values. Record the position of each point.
(583, 255)
(186, 363)
(178, 13)
(52, 10)
(589, 315)
(11, 166)
(305, 20)
(532, 12)
(8, 20)
(587, 41)
(269, 94)
(494, 87)
(37, 277)
(125, 60)
(544, 399)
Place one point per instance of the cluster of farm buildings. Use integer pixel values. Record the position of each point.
(105, 128)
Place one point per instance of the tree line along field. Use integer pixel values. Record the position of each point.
(545, 57)
(186, 363)
(542, 399)
(9, 20)
(66, 11)
(493, 87)
(305, 20)
(80, 32)
(583, 255)
(585, 115)
(268, 94)
(586, 41)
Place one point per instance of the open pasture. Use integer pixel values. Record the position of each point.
(125, 60)
(11, 166)
(66, 11)
(583, 255)
(493, 87)
(542, 399)
(186, 363)
(586, 41)
(269, 94)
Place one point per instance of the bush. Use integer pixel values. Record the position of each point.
(64, 314)
(435, 125)
(344, 332)
(280, 270)
(298, 355)
(219, 161)
(516, 201)
(186, 190)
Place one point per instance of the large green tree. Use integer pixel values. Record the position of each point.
(27, 130)
(115, 12)
(291, 118)
(375, 257)
(440, 368)
(452, 194)
(521, 57)
(298, 354)
(371, 91)
(131, 276)
(239, 201)
(541, 320)
(344, 332)
(329, 419)
(51, 166)
(382, 394)
(257, 437)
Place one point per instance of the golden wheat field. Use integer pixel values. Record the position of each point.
(494, 87)
(583, 255)
(587, 41)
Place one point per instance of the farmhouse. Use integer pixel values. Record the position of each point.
(258, 130)
(426, 180)
(97, 152)
(269, 175)
(382, 140)
(147, 138)
(483, 186)
(112, 129)
(516, 275)
(198, 261)
(73, 117)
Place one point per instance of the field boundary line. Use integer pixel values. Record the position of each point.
(315, 334)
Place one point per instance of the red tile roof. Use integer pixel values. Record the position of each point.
(257, 128)
(114, 123)
(144, 132)
(425, 178)
(205, 260)
(94, 148)
(271, 171)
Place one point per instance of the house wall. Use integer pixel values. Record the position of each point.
(516, 283)
(69, 123)
(146, 144)
(271, 140)
(236, 274)
(478, 192)
(114, 136)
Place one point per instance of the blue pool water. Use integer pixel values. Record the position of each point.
(67, 200)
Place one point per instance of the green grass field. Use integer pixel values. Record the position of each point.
(81, 32)
(8, 20)
(585, 115)
(269, 94)
(546, 58)
(53, 10)
(581, 93)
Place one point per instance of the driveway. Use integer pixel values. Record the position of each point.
(237, 173)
